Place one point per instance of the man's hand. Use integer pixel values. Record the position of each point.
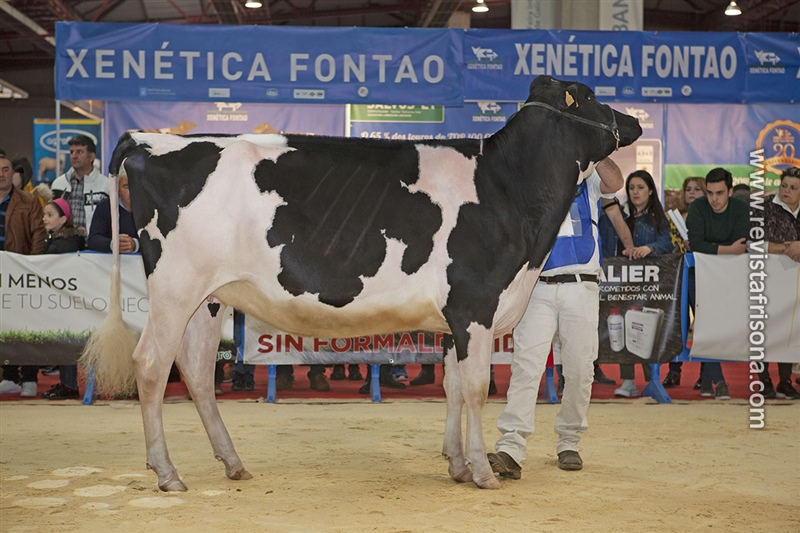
(738, 247)
(637, 252)
(793, 250)
(126, 244)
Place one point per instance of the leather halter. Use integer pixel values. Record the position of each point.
(611, 128)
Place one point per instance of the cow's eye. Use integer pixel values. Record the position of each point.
(590, 97)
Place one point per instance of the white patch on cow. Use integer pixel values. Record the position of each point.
(393, 292)
(583, 174)
(99, 490)
(514, 300)
(49, 484)
(161, 144)
(76, 471)
(161, 502)
(446, 176)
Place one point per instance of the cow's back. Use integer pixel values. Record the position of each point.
(311, 234)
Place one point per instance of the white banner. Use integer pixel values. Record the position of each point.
(746, 305)
(56, 292)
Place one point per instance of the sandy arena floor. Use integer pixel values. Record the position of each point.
(359, 467)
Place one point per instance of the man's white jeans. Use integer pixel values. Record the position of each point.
(572, 310)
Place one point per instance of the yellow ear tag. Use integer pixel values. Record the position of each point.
(568, 98)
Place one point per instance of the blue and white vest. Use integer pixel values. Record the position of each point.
(577, 248)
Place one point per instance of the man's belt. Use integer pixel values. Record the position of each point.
(569, 278)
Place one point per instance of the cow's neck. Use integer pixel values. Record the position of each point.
(537, 169)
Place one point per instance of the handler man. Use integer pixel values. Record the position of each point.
(566, 302)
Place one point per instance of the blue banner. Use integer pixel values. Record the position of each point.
(151, 62)
(681, 67)
(221, 117)
(164, 62)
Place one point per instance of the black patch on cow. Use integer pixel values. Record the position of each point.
(469, 148)
(151, 251)
(343, 197)
(166, 184)
(213, 308)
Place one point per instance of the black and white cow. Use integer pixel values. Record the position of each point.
(342, 237)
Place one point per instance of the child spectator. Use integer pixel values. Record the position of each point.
(63, 237)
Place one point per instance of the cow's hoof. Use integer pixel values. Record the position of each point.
(173, 485)
(240, 475)
(464, 476)
(488, 483)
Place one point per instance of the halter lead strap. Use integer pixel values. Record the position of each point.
(612, 128)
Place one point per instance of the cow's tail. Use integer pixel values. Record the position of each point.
(110, 349)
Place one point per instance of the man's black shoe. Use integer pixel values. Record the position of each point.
(354, 374)
(426, 376)
(769, 389)
(570, 460)
(673, 379)
(388, 380)
(337, 374)
(601, 379)
(505, 465)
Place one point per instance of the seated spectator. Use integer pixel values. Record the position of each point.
(782, 231)
(100, 231)
(717, 224)
(63, 237)
(651, 236)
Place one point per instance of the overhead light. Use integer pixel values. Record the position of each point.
(733, 10)
(480, 7)
(10, 91)
(252, 4)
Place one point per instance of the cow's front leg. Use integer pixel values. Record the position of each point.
(453, 447)
(196, 362)
(475, 375)
(151, 362)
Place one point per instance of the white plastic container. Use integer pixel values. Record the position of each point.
(616, 329)
(642, 327)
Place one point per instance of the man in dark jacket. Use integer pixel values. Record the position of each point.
(21, 231)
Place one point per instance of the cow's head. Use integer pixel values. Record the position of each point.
(607, 130)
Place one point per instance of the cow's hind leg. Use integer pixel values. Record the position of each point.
(152, 360)
(453, 447)
(196, 362)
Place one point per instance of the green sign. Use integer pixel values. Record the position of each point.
(396, 113)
